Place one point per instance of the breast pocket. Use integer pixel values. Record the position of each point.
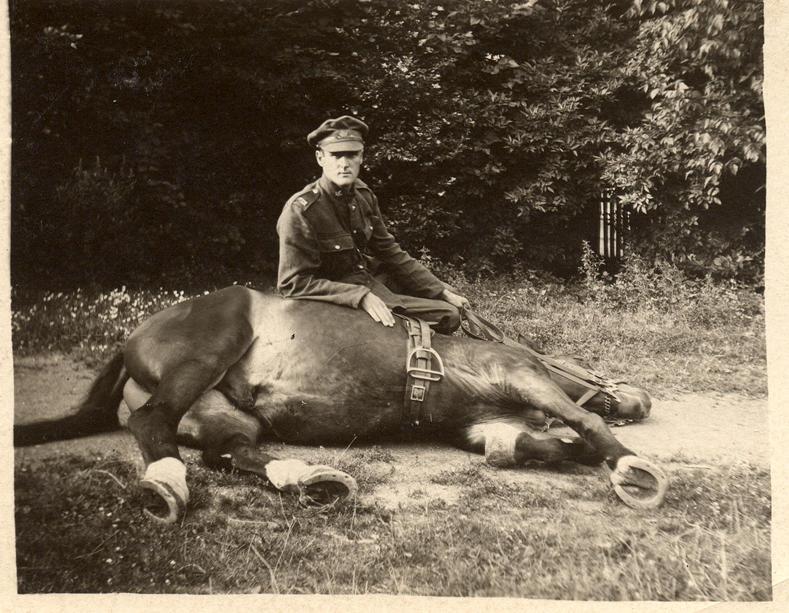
(338, 254)
(362, 234)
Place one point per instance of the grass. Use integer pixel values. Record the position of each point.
(80, 529)
(651, 325)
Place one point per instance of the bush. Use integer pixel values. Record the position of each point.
(661, 286)
(694, 159)
(94, 324)
(495, 126)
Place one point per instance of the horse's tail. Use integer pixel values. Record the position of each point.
(97, 413)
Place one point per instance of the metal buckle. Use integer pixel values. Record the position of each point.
(418, 393)
(424, 373)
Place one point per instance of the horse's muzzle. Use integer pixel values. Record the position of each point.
(635, 403)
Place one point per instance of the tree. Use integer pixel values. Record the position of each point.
(179, 128)
(699, 64)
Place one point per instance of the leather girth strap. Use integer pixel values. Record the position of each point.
(423, 366)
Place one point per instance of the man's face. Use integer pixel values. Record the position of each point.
(340, 167)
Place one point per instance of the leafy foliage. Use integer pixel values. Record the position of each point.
(494, 127)
(699, 63)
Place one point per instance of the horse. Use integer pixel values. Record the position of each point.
(223, 370)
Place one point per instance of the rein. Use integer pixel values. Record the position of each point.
(480, 328)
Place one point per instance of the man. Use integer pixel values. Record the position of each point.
(335, 247)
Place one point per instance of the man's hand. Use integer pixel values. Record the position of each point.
(377, 309)
(455, 300)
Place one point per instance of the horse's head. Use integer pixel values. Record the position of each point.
(630, 402)
(578, 380)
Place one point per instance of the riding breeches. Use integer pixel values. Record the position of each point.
(442, 316)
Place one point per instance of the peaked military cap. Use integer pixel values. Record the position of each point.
(344, 133)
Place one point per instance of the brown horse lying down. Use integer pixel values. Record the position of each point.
(223, 370)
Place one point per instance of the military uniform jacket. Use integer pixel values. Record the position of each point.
(324, 255)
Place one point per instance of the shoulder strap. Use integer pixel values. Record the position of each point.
(305, 197)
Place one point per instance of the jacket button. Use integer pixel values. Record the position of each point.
(360, 266)
(336, 246)
(371, 227)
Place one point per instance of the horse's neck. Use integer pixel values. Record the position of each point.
(480, 366)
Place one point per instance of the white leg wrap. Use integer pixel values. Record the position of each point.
(500, 442)
(297, 477)
(167, 478)
(285, 474)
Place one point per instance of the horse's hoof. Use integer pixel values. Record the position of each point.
(639, 483)
(167, 494)
(315, 485)
(323, 485)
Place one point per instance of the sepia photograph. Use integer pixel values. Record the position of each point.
(447, 298)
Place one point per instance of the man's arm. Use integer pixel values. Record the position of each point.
(300, 259)
(414, 277)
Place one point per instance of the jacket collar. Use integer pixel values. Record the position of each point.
(333, 190)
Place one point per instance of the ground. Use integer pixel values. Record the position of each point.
(704, 441)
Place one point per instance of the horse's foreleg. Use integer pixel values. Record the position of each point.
(508, 444)
(538, 391)
(637, 482)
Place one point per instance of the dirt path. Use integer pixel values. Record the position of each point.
(690, 428)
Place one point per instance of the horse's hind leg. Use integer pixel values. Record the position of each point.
(179, 354)
(208, 424)
(228, 438)
(315, 485)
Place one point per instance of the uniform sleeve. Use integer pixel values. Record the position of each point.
(410, 274)
(300, 260)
